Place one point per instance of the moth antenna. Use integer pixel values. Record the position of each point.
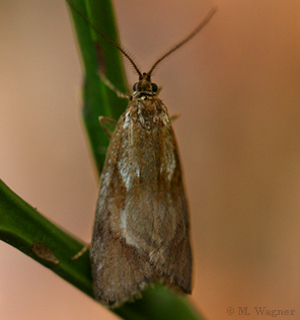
(129, 58)
(186, 39)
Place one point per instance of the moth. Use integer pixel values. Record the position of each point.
(141, 232)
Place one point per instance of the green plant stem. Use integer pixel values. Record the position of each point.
(22, 226)
(98, 99)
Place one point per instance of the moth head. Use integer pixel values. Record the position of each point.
(145, 85)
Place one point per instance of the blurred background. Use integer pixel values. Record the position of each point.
(237, 87)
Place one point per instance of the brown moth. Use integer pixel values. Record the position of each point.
(141, 230)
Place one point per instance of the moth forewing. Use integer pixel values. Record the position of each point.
(141, 230)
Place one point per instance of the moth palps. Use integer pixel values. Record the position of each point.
(141, 230)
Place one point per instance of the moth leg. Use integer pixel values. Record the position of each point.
(82, 251)
(103, 121)
(175, 116)
(113, 88)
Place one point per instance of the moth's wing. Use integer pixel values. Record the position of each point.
(141, 229)
(148, 218)
(119, 270)
(176, 266)
(156, 210)
(179, 267)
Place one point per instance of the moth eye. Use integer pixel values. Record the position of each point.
(154, 87)
(135, 86)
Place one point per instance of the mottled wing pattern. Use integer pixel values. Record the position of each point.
(141, 231)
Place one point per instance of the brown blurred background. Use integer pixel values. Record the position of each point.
(237, 87)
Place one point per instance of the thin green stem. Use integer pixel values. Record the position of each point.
(98, 99)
